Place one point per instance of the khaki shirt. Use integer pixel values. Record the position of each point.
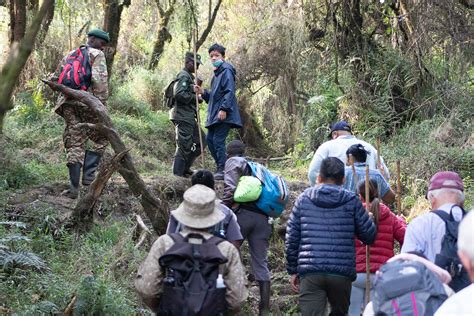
(99, 78)
(148, 281)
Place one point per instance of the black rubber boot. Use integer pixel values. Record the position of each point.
(264, 305)
(219, 175)
(91, 162)
(187, 167)
(74, 176)
(178, 166)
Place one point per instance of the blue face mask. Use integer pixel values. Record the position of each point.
(217, 63)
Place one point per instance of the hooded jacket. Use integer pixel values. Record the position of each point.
(389, 228)
(222, 97)
(320, 236)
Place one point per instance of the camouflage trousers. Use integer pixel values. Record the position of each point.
(75, 137)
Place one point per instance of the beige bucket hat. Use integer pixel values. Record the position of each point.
(200, 208)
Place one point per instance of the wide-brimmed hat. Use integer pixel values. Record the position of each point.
(200, 208)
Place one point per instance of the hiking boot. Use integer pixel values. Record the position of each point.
(178, 166)
(264, 305)
(188, 173)
(74, 176)
(219, 175)
(91, 161)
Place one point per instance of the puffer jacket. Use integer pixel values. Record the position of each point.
(222, 97)
(320, 231)
(389, 228)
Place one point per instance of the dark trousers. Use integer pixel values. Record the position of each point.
(188, 144)
(216, 135)
(256, 229)
(317, 289)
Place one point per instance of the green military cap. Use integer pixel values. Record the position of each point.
(190, 56)
(100, 34)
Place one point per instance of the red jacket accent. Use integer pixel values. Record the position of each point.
(390, 228)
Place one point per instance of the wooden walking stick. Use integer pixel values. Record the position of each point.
(197, 99)
(367, 248)
(379, 161)
(354, 174)
(399, 190)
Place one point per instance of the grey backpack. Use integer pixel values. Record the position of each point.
(407, 288)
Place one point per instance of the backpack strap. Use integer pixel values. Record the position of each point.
(177, 237)
(445, 217)
(215, 240)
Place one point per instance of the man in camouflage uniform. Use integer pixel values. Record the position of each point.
(198, 212)
(184, 116)
(75, 112)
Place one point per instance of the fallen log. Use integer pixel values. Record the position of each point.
(155, 208)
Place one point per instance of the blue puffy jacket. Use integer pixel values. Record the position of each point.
(222, 97)
(320, 236)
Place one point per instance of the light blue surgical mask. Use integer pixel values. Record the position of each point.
(217, 63)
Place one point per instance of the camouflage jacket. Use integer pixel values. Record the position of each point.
(149, 278)
(185, 106)
(99, 81)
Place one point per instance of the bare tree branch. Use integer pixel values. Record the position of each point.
(210, 23)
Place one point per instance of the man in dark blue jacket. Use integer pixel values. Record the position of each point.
(222, 111)
(320, 242)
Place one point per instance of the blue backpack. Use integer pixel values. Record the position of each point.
(275, 194)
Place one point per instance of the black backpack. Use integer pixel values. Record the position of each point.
(407, 288)
(448, 258)
(77, 72)
(191, 274)
(169, 99)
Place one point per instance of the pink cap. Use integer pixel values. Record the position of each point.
(446, 180)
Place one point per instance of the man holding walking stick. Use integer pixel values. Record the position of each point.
(184, 115)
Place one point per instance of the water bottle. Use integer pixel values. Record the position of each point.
(220, 282)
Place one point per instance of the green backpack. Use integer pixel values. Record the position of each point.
(248, 189)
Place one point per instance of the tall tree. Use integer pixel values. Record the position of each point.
(17, 10)
(18, 55)
(165, 11)
(112, 18)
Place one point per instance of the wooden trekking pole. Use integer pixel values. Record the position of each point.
(197, 99)
(354, 174)
(379, 161)
(399, 190)
(367, 248)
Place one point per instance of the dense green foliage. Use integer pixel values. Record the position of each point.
(298, 70)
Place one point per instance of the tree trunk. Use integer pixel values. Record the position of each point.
(163, 37)
(112, 18)
(17, 59)
(250, 132)
(17, 20)
(45, 25)
(155, 209)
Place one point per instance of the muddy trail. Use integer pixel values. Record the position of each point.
(44, 206)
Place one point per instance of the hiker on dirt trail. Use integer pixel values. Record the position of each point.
(320, 242)
(389, 229)
(194, 245)
(228, 228)
(427, 233)
(75, 112)
(409, 284)
(222, 111)
(359, 155)
(462, 303)
(341, 139)
(254, 224)
(184, 116)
